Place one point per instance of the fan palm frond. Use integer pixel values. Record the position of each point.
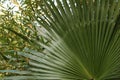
(85, 42)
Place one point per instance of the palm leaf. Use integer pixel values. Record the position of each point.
(85, 44)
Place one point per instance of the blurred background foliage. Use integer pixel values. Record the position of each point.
(18, 29)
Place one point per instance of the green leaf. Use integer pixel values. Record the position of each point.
(82, 45)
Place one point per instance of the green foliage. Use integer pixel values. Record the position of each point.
(84, 41)
(16, 33)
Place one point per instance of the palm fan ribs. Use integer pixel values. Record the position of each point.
(85, 41)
